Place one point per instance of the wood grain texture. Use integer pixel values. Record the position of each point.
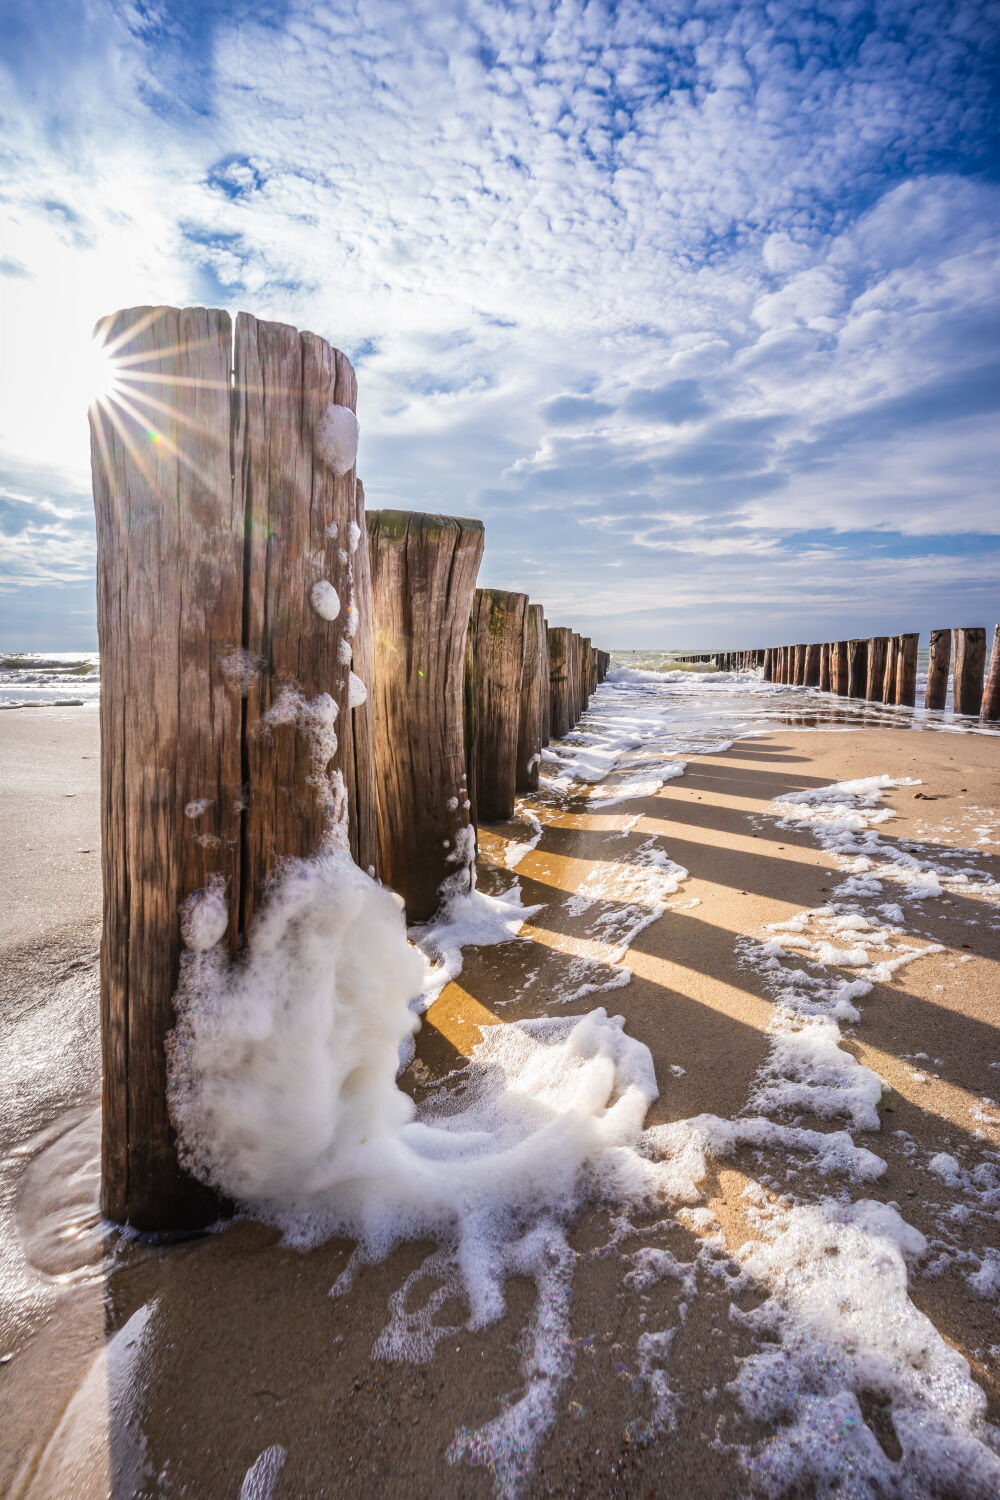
(857, 668)
(585, 687)
(214, 519)
(839, 681)
(543, 667)
(497, 630)
(423, 576)
(970, 664)
(938, 668)
(559, 688)
(298, 519)
(906, 669)
(529, 731)
(878, 647)
(824, 666)
(891, 669)
(356, 752)
(990, 710)
(169, 605)
(811, 678)
(575, 685)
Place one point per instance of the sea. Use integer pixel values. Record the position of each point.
(690, 703)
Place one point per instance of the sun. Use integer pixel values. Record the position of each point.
(100, 374)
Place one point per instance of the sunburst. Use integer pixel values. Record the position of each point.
(135, 396)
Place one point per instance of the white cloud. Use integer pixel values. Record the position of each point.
(531, 224)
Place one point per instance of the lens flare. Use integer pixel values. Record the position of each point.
(100, 375)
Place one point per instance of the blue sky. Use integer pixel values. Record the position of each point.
(696, 304)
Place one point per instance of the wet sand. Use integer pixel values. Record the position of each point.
(168, 1371)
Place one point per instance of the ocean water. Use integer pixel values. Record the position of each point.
(696, 704)
(34, 679)
(692, 702)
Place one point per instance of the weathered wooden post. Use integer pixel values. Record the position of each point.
(970, 663)
(875, 680)
(990, 710)
(906, 669)
(891, 669)
(857, 668)
(768, 664)
(226, 540)
(838, 668)
(423, 570)
(543, 672)
(560, 702)
(938, 666)
(824, 666)
(497, 632)
(529, 733)
(585, 688)
(575, 688)
(811, 673)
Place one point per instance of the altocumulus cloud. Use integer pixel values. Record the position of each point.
(696, 305)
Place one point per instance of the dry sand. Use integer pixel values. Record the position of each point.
(244, 1347)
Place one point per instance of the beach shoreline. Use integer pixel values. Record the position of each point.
(243, 1349)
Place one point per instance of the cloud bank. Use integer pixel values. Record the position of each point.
(695, 305)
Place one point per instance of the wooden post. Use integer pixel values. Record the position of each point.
(875, 680)
(990, 710)
(546, 689)
(585, 688)
(529, 732)
(839, 679)
(497, 631)
(970, 663)
(857, 668)
(423, 570)
(560, 702)
(768, 664)
(891, 669)
(906, 669)
(938, 665)
(824, 667)
(811, 677)
(575, 693)
(217, 571)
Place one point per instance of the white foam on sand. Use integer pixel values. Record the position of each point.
(283, 1089)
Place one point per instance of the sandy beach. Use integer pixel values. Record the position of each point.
(133, 1369)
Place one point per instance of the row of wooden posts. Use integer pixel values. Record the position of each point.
(883, 668)
(275, 662)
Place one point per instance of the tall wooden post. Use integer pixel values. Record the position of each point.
(875, 682)
(423, 570)
(584, 672)
(227, 735)
(560, 703)
(576, 695)
(938, 665)
(529, 733)
(543, 671)
(857, 668)
(811, 676)
(497, 632)
(824, 666)
(891, 669)
(906, 669)
(838, 668)
(990, 710)
(970, 663)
